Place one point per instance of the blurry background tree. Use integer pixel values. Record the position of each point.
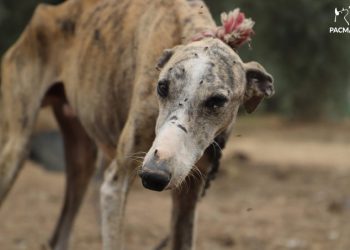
(310, 66)
(14, 15)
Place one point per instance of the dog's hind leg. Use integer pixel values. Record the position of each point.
(28, 69)
(21, 92)
(15, 130)
(80, 154)
(16, 126)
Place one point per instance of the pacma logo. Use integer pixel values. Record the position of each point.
(344, 12)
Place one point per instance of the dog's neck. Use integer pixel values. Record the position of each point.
(194, 17)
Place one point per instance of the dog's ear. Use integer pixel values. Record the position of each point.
(165, 57)
(259, 85)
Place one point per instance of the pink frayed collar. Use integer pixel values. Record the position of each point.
(236, 29)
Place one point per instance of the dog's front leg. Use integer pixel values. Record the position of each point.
(184, 215)
(117, 181)
(114, 191)
(183, 220)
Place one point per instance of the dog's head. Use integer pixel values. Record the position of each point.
(200, 88)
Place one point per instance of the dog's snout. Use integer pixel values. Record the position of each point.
(156, 181)
(156, 153)
(155, 174)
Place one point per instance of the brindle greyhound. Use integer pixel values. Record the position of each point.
(93, 62)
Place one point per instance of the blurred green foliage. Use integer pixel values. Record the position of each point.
(310, 66)
(14, 15)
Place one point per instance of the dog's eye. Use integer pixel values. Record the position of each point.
(216, 101)
(163, 88)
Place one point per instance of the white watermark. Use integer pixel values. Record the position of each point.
(341, 17)
(339, 30)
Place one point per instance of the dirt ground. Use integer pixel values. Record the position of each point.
(281, 186)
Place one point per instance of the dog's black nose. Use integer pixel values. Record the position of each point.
(156, 181)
